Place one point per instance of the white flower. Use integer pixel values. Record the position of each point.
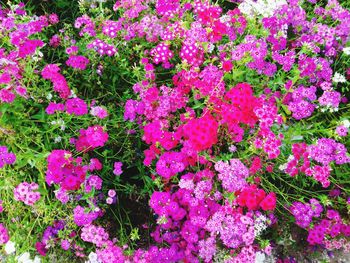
(259, 257)
(93, 258)
(346, 50)
(260, 225)
(338, 78)
(23, 258)
(210, 47)
(282, 167)
(49, 96)
(72, 94)
(225, 18)
(58, 139)
(37, 259)
(266, 8)
(10, 247)
(346, 123)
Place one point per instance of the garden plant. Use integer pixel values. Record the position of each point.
(174, 131)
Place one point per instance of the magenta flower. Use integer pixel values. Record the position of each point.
(118, 168)
(342, 131)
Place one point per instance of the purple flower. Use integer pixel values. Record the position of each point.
(65, 244)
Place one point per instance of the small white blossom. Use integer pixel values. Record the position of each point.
(346, 123)
(346, 50)
(338, 78)
(23, 258)
(225, 18)
(259, 257)
(58, 139)
(266, 8)
(210, 47)
(72, 94)
(260, 225)
(4, 61)
(36, 259)
(282, 167)
(10, 247)
(93, 258)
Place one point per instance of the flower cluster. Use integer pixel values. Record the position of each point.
(91, 138)
(50, 234)
(111, 28)
(87, 25)
(300, 103)
(201, 133)
(60, 85)
(78, 62)
(162, 54)
(25, 193)
(94, 234)
(218, 99)
(6, 157)
(327, 150)
(253, 198)
(18, 27)
(232, 175)
(99, 112)
(299, 161)
(169, 164)
(4, 236)
(305, 212)
(192, 54)
(324, 151)
(93, 182)
(83, 217)
(64, 170)
(102, 47)
(72, 106)
(76, 106)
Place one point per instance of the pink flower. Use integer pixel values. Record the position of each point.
(342, 131)
(53, 19)
(118, 168)
(99, 112)
(7, 96)
(76, 106)
(91, 138)
(77, 62)
(24, 192)
(109, 200)
(4, 236)
(269, 202)
(65, 244)
(112, 193)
